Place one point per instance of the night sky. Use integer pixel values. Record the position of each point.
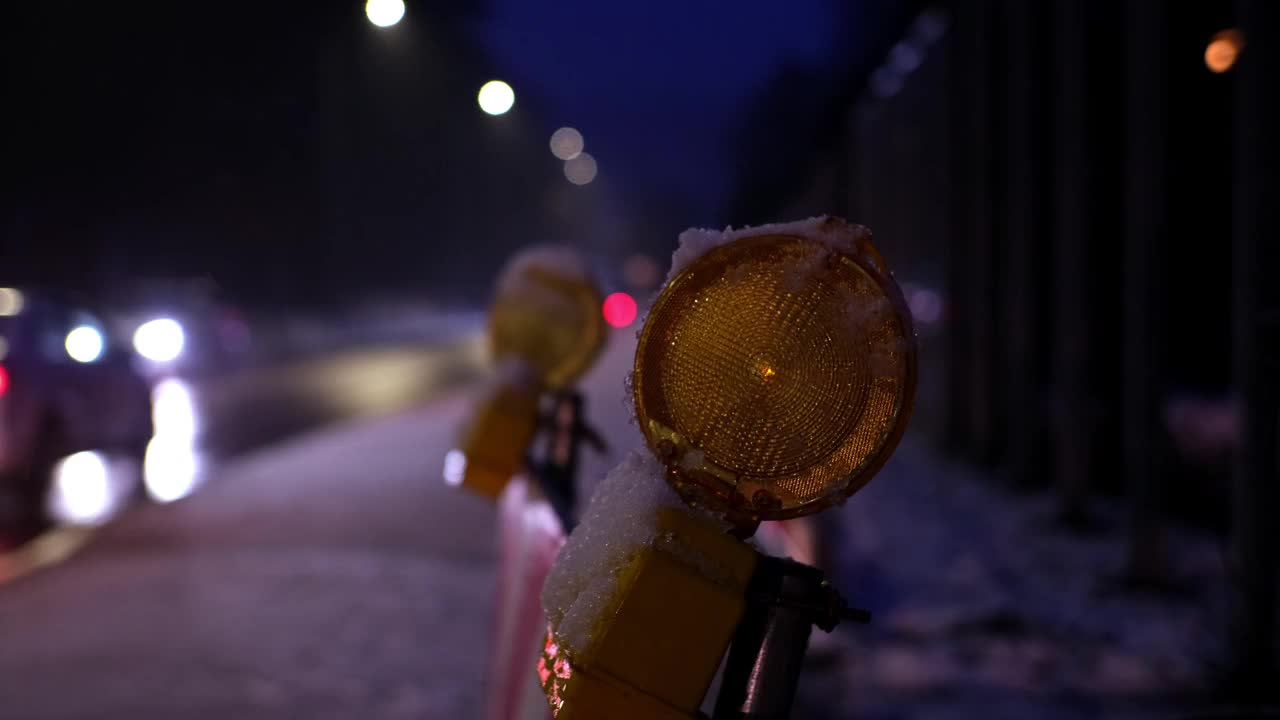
(655, 86)
(244, 141)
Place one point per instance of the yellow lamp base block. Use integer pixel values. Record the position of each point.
(656, 649)
(495, 442)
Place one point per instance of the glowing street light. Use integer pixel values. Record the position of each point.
(11, 302)
(580, 169)
(496, 97)
(1223, 50)
(384, 13)
(566, 143)
(84, 344)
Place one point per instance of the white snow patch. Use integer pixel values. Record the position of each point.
(561, 261)
(620, 521)
(696, 242)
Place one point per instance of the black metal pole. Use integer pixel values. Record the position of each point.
(763, 668)
(1072, 451)
(1146, 230)
(1255, 541)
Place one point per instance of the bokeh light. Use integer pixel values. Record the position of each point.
(885, 83)
(83, 488)
(1223, 50)
(384, 13)
(906, 58)
(84, 344)
(620, 310)
(455, 467)
(11, 302)
(641, 272)
(925, 303)
(930, 26)
(496, 97)
(566, 143)
(173, 409)
(171, 469)
(581, 169)
(159, 340)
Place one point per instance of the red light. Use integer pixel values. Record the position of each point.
(619, 310)
(4, 380)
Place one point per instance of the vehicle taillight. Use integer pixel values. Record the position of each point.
(4, 380)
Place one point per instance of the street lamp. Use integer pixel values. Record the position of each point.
(566, 143)
(384, 13)
(496, 97)
(580, 169)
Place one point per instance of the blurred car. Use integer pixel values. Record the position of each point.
(66, 385)
(182, 327)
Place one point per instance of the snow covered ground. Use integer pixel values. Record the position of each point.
(981, 602)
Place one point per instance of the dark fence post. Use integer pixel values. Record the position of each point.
(1072, 213)
(1022, 307)
(1257, 350)
(975, 259)
(1146, 229)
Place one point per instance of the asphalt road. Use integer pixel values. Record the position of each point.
(323, 570)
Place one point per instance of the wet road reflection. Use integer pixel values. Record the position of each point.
(199, 424)
(172, 469)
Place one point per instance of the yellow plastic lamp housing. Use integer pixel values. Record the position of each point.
(654, 653)
(546, 315)
(494, 442)
(776, 373)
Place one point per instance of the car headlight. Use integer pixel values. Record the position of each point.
(159, 340)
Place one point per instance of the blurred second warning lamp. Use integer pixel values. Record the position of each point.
(773, 377)
(545, 330)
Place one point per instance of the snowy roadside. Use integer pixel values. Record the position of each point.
(983, 605)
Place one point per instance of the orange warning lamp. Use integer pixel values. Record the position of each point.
(545, 330)
(546, 315)
(775, 375)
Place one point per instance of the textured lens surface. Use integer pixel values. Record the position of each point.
(549, 322)
(779, 365)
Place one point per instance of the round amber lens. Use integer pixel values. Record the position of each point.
(548, 321)
(774, 376)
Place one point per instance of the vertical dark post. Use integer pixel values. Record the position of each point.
(975, 263)
(1145, 230)
(963, 63)
(1020, 305)
(1069, 356)
(1255, 555)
